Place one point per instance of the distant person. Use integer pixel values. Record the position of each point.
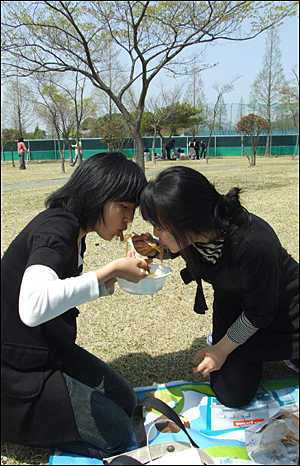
(169, 147)
(78, 150)
(203, 150)
(54, 393)
(21, 151)
(192, 151)
(178, 153)
(196, 148)
(147, 155)
(175, 154)
(181, 152)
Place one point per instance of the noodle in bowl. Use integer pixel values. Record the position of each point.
(149, 285)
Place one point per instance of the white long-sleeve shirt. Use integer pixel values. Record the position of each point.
(44, 296)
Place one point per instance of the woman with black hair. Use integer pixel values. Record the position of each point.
(255, 280)
(21, 151)
(55, 393)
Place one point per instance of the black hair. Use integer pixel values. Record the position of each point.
(182, 201)
(107, 176)
(21, 139)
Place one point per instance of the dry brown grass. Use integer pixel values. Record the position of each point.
(152, 339)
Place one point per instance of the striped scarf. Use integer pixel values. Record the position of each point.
(212, 251)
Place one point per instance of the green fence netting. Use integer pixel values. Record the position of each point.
(221, 145)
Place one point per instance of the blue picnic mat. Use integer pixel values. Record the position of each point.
(215, 428)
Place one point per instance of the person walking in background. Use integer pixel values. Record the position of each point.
(203, 150)
(78, 150)
(169, 147)
(54, 393)
(21, 151)
(255, 280)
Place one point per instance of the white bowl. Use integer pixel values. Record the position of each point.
(147, 285)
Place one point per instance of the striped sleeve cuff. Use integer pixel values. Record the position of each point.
(241, 330)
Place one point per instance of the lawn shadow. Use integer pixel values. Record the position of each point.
(142, 369)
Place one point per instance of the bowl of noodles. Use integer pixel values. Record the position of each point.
(150, 284)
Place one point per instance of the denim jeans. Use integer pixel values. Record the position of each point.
(102, 403)
(75, 160)
(22, 161)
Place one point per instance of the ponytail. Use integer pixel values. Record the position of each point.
(229, 213)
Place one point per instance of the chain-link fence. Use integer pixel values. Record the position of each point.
(222, 144)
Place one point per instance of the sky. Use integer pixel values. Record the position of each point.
(246, 58)
(241, 58)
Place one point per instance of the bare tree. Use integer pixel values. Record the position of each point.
(17, 108)
(290, 103)
(158, 111)
(241, 110)
(83, 106)
(221, 89)
(265, 94)
(222, 117)
(57, 110)
(152, 36)
(195, 95)
(114, 75)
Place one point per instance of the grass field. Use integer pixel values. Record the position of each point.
(152, 339)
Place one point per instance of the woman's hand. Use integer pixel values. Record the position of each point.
(214, 356)
(132, 269)
(141, 246)
(129, 268)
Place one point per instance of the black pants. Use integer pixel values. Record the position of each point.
(236, 383)
(202, 152)
(22, 161)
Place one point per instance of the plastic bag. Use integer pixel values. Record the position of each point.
(275, 441)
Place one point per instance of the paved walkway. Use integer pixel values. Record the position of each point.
(56, 181)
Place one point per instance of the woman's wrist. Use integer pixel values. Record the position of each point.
(226, 346)
(107, 272)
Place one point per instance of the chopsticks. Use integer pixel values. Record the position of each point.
(153, 245)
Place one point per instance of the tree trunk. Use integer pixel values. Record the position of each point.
(139, 149)
(70, 151)
(12, 157)
(267, 153)
(163, 147)
(153, 146)
(62, 153)
(253, 157)
(245, 152)
(207, 148)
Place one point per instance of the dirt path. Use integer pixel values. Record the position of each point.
(57, 181)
